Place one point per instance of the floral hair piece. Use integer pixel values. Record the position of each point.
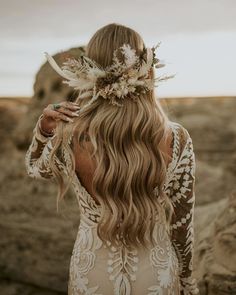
(126, 78)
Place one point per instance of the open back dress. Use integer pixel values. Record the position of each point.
(96, 267)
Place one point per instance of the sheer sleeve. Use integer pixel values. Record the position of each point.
(182, 195)
(37, 155)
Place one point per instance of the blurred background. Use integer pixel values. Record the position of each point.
(198, 45)
(198, 39)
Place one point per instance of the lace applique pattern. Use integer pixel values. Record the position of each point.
(88, 207)
(164, 263)
(83, 260)
(122, 266)
(180, 189)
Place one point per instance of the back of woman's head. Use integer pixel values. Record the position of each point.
(109, 38)
(126, 148)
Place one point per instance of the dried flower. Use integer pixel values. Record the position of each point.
(123, 79)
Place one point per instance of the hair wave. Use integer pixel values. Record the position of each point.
(126, 149)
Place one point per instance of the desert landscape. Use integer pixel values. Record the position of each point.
(36, 241)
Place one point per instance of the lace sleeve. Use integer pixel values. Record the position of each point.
(37, 155)
(182, 195)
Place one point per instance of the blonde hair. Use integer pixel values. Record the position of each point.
(126, 148)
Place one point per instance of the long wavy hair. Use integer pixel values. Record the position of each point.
(126, 149)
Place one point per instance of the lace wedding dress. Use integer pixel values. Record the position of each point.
(96, 268)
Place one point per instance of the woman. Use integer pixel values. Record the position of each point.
(132, 170)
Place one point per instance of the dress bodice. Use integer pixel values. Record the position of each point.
(95, 266)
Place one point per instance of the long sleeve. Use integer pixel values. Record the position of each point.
(182, 195)
(37, 155)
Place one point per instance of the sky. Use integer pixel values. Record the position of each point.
(198, 39)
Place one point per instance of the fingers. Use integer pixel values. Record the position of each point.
(60, 116)
(66, 112)
(70, 105)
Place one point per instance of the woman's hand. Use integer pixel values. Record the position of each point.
(65, 112)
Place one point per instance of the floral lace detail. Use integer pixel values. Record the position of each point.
(164, 262)
(83, 260)
(122, 265)
(180, 189)
(88, 207)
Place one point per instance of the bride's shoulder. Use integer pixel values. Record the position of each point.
(180, 129)
(175, 125)
(181, 135)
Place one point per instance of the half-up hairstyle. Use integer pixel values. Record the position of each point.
(126, 149)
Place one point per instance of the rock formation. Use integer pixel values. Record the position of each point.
(215, 244)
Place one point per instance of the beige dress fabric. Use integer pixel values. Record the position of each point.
(96, 268)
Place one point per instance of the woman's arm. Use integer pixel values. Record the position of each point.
(182, 195)
(37, 155)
